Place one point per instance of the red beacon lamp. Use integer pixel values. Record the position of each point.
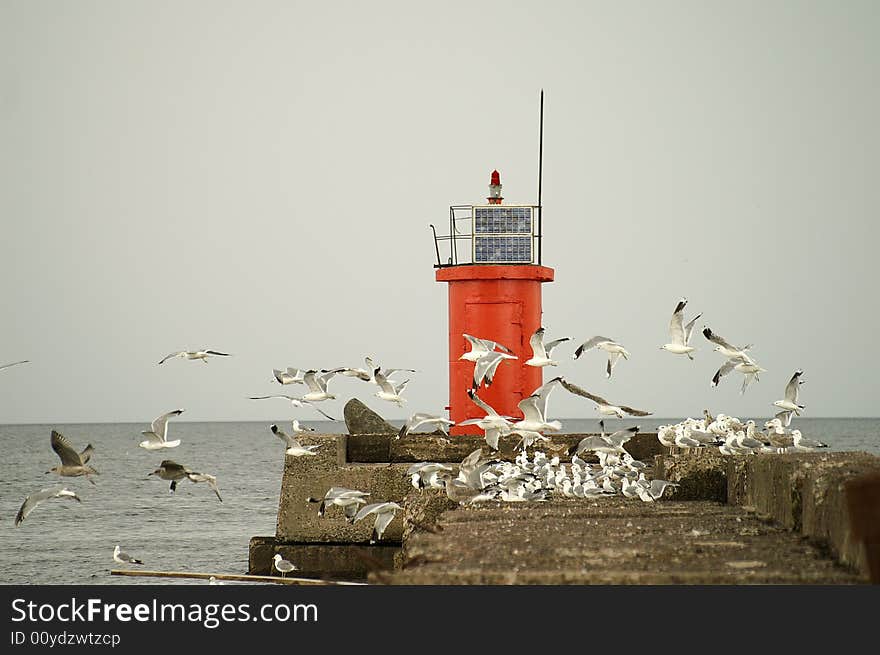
(494, 272)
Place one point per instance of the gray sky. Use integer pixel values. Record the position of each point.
(258, 177)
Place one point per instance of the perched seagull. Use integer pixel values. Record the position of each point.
(194, 354)
(384, 514)
(293, 447)
(24, 361)
(296, 402)
(602, 405)
(420, 419)
(282, 565)
(347, 499)
(723, 346)
(38, 497)
(297, 428)
(290, 376)
(123, 557)
(73, 464)
(388, 390)
(157, 435)
(680, 336)
(481, 347)
(790, 403)
(615, 351)
(540, 352)
(802, 443)
(484, 369)
(493, 424)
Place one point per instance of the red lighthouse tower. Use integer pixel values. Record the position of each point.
(494, 274)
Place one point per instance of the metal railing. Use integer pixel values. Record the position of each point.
(455, 247)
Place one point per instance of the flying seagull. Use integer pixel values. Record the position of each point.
(790, 402)
(123, 557)
(293, 447)
(421, 419)
(290, 376)
(723, 346)
(157, 435)
(388, 390)
(347, 499)
(73, 464)
(492, 424)
(296, 402)
(481, 347)
(384, 514)
(485, 368)
(38, 497)
(193, 354)
(680, 336)
(742, 363)
(541, 352)
(602, 405)
(615, 351)
(171, 470)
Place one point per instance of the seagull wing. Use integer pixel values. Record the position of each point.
(537, 343)
(38, 497)
(170, 355)
(543, 393)
(366, 510)
(482, 404)
(589, 344)
(318, 409)
(573, 388)
(214, 352)
(716, 339)
(160, 423)
(312, 382)
(64, 450)
(726, 368)
(612, 360)
(24, 361)
(86, 453)
(481, 366)
(530, 409)
(477, 345)
(676, 331)
(550, 346)
(398, 389)
(689, 329)
(273, 396)
(791, 389)
(383, 382)
(634, 412)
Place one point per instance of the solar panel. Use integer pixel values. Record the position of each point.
(503, 234)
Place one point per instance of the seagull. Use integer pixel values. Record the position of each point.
(282, 565)
(24, 361)
(347, 499)
(296, 402)
(205, 477)
(156, 436)
(540, 352)
(388, 390)
(290, 376)
(38, 497)
(484, 369)
(318, 385)
(615, 351)
(533, 418)
(801, 442)
(294, 447)
(493, 424)
(384, 514)
(73, 464)
(297, 428)
(742, 363)
(481, 347)
(124, 558)
(193, 354)
(723, 346)
(602, 405)
(680, 336)
(420, 419)
(789, 403)
(171, 470)
(425, 474)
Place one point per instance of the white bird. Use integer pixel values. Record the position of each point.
(194, 354)
(296, 402)
(541, 353)
(615, 351)
(533, 419)
(486, 366)
(425, 474)
(790, 402)
(317, 385)
(801, 442)
(347, 499)
(24, 361)
(297, 428)
(123, 557)
(290, 376)
(384, 514)
(282, 565)
(602, 405)
(723, 346)
(741, 363)
(293, 447)
(421, 419)
(480, 348)
(388, 390)
(157, 435)
(680, 335)
(493, 424)
(205, 477)
(38, 497)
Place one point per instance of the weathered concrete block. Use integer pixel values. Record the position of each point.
(325, 561)
(360, 419)
(701, 476)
